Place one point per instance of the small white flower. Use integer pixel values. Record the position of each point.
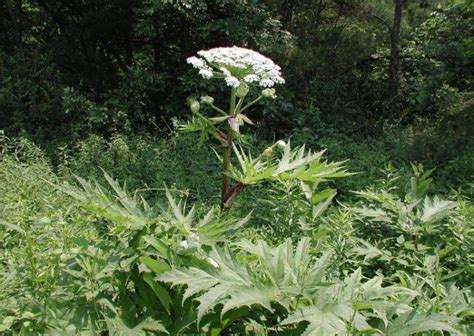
(206, 73)
(204, 70)
(251, 78)
(225, 72)
(266, 83)
(232, 82)
(196, 62)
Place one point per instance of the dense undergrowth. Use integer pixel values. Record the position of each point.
(390, 259)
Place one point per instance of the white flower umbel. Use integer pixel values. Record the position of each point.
(205, 73)
(204, 69)
(237, 65)
(232, 81)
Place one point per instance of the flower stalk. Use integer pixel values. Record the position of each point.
(228, 150)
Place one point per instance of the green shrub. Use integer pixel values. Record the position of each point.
(39, 229)
(146, 163)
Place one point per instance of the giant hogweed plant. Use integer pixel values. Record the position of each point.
(172, 273)
(244, 70)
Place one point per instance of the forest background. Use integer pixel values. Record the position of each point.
(373, 81)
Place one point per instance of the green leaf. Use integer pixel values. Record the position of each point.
(197, 280)
(159, 246)
(297, 164)
(160, 292)
(117, 326)
(323, 195)
(155, 265)
(323, 322)
(436, 209)
(126, 212)
(213, 229)
(275, 273)
(411, 323)
(326, 195)
(248, 297)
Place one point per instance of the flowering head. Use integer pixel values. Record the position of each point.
(237, 66)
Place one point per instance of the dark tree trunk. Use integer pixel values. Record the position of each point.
(288, 8)
(393, 82)
(14, 9)
(156, 41)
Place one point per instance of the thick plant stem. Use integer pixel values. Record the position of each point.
(225, 167)
(227, 152)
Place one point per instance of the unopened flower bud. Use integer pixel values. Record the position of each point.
(242, 90)
(267, 152)
(269, 93)
(195, 106)
(281, 144)
(207, 100)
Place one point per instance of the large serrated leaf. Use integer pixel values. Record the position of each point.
(411, 323)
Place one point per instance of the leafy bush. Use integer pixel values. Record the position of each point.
(143, 162)
(39, 230)
(108, 259)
